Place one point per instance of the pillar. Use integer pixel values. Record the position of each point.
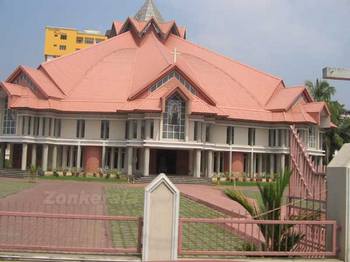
(2, 155)
(78, 157)
(260, 163)
(45, 156)
(24, 156)
(282, 163)
(111, 159)
(217, 163)
(130, 161)
(146, 155)
(230, 163)
(197, 168)
(210, 164)
(119, 167)
(54, 157)
(103, 158)
(64, 156)
(272, 164)
(338, 199)
(190, 163)
(251, 169)
(33, 162)
(71, 151)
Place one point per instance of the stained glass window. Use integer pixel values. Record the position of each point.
(174, 118)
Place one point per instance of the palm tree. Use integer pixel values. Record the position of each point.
(277, 237)
(320, 90)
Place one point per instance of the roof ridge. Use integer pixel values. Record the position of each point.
(227, 58)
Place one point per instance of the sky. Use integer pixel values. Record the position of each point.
(291, 39)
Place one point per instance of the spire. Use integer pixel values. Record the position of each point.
(147, 11)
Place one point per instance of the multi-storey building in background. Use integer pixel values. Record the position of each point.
(61, 41)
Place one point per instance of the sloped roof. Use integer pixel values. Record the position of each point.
(115, 76)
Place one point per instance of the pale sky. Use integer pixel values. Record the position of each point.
(292, 39)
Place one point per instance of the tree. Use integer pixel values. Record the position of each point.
(334, 137)
(320, 90)
(277, 237)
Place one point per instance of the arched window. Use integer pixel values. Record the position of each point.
(174, 118)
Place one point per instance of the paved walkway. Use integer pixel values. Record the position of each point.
(214, 197)
(62, 198)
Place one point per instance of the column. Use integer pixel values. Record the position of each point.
(78, 158)
(146, 155)
(217, 163)
(139, 126)
(103, 160)
(130, 161)
(272, 164)
(54, 157)
(64, 156)
(2, 155)
(33, 162)
(45, 156)
(204, 132)
(156, 129)
(260, 163)
(251, 169)
(24, 156)
(197, 168)
(71, 151)
(210, 164)
(230, 163)
(190, 163)
(111, 158)
(119, 167)
(282, 163)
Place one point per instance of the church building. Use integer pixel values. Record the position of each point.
(147, 101)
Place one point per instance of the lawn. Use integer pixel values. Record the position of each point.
(11, 187)
(124, 201)
(85, 179)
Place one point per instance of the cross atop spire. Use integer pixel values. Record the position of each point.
(147, 11)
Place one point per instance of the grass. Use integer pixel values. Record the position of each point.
(125, 201)
(12, 187)
(85, 179)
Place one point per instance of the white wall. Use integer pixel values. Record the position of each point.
(218, 134)
(261, 137)
(68, 129)
(117, 129)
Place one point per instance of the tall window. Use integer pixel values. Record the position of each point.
(272, 137)
(174, 118)
(207, 133)
(9, 125)
(29, 125)
(152, 129)
(251, 136)
(57, 128)
(104, 129)
(36, 125)
(134, 129)
(126, 134)
(312, 137)
(80, 128)
(230, 135)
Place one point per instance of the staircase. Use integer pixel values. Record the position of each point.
(176, 180)
(13, 173)
(307, 187)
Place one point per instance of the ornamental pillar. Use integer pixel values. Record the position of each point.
(24, 156)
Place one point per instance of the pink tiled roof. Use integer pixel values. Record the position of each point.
(115, 75)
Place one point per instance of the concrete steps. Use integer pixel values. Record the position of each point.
(176, 180)
(13, 173)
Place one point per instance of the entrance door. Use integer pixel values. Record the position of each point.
(166, 162)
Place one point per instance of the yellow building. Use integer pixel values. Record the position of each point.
(61, 41)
